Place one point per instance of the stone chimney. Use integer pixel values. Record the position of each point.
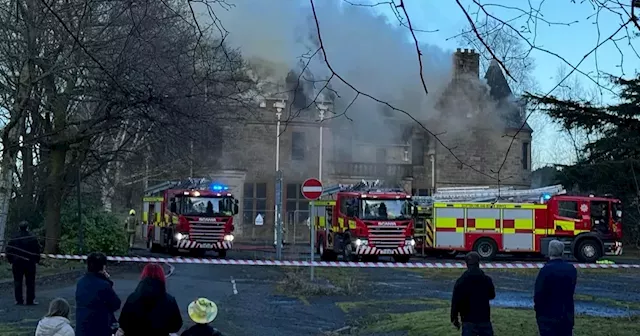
(466, 62)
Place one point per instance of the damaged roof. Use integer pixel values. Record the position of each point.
(501, 93)
(497, 88)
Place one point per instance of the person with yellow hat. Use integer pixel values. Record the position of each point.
(131, 225)
(202, 311)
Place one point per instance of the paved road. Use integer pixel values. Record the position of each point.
(250, 304)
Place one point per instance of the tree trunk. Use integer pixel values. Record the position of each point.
(53, 203)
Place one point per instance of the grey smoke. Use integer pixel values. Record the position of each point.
(372, 52)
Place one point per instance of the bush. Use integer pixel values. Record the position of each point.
(103, 231)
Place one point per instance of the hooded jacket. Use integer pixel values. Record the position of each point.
(54, 326)
(471, 295)
(96, 303)
(150, 311)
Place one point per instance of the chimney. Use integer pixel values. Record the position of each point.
(466, 62)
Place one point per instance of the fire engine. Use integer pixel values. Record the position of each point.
(364, 221)
(194, 215)
(475, 219)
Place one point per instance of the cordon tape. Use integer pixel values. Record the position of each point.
(294, 263)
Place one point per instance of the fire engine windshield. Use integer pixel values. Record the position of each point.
(205, 206)
(385, 209)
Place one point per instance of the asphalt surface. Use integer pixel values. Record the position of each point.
(252, 302)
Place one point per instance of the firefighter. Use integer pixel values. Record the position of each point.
(131, 225)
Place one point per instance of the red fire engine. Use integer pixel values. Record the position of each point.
(194, 215)
(473, 220)
(364, 221)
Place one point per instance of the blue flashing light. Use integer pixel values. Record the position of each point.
(546, 197)
(218, 187)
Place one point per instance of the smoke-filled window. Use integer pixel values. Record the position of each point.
(297, 146)
(417, 152)
(297, 206)
(525, 155)
(255, 202)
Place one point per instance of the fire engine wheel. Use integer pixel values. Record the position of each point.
(348, 253)
(588, 251)
(486, 248)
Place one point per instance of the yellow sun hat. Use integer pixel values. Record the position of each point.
(203, 311)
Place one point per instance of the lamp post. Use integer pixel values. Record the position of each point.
(277, 227)
(323, 107)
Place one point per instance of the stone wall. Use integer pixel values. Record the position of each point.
(482, 159)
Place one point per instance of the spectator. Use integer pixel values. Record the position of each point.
(56, 322)
(23, 253)
(96, 301)
(202, 312)
(150, 310)
(553, 296)
(471, 295)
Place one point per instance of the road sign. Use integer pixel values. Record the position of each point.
(312, 189)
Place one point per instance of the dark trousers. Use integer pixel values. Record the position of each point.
(26, 271)
(477, 329)
(548, 327)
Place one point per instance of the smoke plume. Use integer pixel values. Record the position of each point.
(373, 52)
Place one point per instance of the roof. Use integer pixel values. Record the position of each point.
(497, 89)
(500, 92)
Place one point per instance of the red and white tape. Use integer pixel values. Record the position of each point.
(180, 260)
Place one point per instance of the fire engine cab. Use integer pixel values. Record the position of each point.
(364, 221)
(194, 215)
(490, 221)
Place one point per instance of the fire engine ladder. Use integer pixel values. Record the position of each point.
(362, 186)
(191, 183)
(489, 194)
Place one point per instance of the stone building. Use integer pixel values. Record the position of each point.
(477, 123)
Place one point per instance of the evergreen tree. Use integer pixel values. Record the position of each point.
(611, 162)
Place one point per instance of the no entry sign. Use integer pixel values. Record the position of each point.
(312, 189)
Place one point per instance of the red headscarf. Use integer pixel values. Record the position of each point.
(153, 271)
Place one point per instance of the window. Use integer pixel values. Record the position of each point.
(297, 146)
(417, 152)
(525, 155)
(296, 205)
(381, 155)
(568, 209)
(255, 201)
(421, 192)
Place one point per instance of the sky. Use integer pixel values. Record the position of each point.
(280, 29)
(571, 42)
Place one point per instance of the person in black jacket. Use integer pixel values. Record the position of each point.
(96, 301)
(471, 295)
(23, 253)
(150, 310)
(553, 296)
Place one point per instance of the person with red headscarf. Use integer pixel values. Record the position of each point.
(150, 310)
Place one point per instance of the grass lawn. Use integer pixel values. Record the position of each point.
(47, 267)
(327, 281)
(506, 321)
(21, 328)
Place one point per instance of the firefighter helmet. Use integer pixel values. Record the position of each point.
(132, 212)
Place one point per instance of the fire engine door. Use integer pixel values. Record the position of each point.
(600, 217)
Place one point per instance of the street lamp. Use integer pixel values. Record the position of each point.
(277, 227)
(323, 107)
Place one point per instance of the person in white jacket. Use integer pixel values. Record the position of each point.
(56, 322)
